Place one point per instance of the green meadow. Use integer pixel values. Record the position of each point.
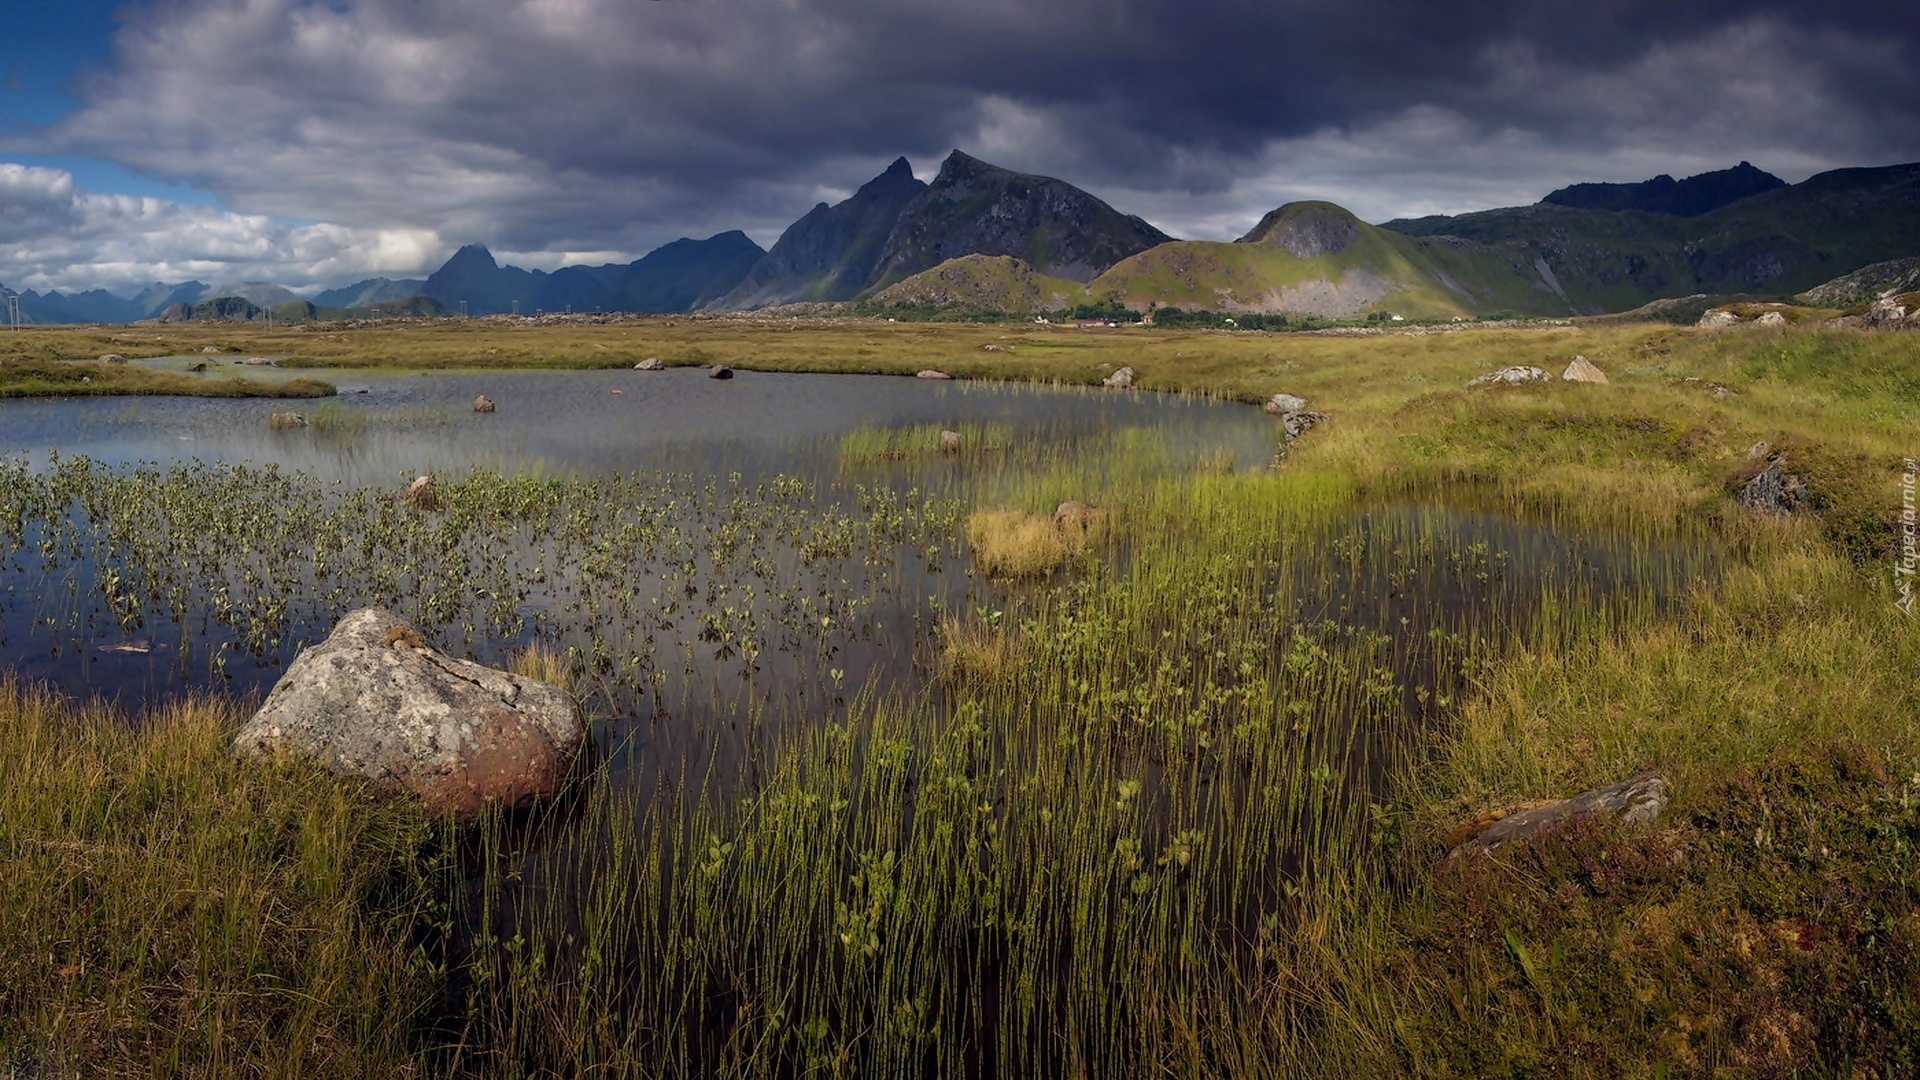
(1177, 794)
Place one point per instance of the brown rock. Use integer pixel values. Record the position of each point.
(483, 403)
(949, 442)
(422, 494)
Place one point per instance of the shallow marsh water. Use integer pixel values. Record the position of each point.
(800, 831)
(703, 547)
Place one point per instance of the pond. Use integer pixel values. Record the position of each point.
(715, 550)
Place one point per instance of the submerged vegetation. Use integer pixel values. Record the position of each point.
(901, 774)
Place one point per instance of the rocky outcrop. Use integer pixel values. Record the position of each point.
(930, 373)
(1717, 318)
(651, 363)
(1511, 376)
(1282, 404)
(720, 371)
(1295, 424)
(113, 358)
(375, 701)
(1771, 319)
(283, 421)
(1582, 370)
(1119, 380)
(1634, 802)
(1773, 490)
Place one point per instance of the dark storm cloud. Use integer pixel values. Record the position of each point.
(565, 129)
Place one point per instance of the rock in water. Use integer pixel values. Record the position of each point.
(1581, 370)
(1512, 376)
(422, 494)
(282, 421)
(931, 374)
(720, 371)
(113, 358)
(1119, 380)
(374, 701)
(949, 442)
(1076, 521)
(651, 363)
(483, 403)
(1634, 802)
(1282, 404)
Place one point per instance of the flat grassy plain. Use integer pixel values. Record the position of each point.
(1036, 874)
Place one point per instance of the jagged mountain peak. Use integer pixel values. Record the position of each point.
(973, 207)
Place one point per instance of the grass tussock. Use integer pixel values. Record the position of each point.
(542, 662)
(166, 910)
(1013, 543)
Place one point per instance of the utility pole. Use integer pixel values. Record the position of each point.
(463, 309)
(13, 310)
(516, 309)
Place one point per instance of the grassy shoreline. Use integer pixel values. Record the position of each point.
(29, 378)
(1765, 926)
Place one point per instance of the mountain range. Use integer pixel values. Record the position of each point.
(988, 237)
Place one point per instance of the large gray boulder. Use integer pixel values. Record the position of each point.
(1282, 404)
(374, 701)
(1633, 802)
(1119, 380)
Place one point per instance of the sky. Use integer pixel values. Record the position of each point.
(317, 142)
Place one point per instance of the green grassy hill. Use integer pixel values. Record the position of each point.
(989, 282)
(1315, 258)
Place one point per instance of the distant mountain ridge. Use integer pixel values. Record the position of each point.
(672, 278)
(1777, 242)
(978, 231)
(1663, 194)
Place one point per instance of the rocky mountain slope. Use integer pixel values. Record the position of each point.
(1869, 283)
(973, 208)
(831, 252)
(1777, 242)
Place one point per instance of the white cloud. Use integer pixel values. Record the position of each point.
(60, 236)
